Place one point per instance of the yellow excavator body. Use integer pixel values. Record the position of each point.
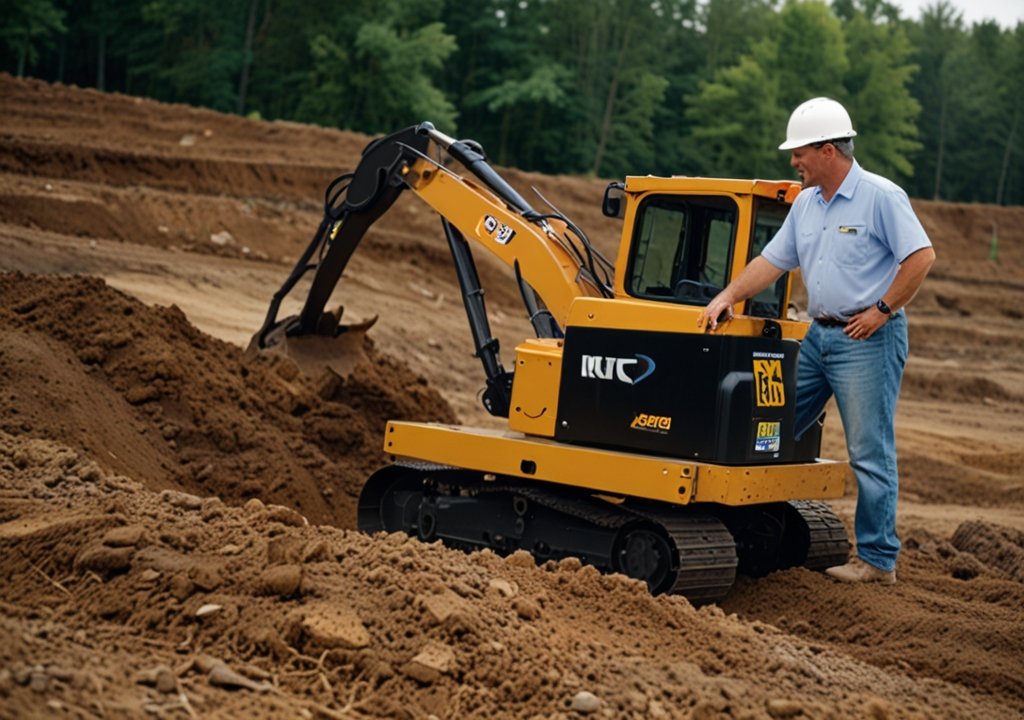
(636, 440)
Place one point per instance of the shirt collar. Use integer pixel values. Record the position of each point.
(848, 185)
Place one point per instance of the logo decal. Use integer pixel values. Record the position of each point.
(660, 424)
(501, 233)
(768, 437)
(768, 385)
(600, 367)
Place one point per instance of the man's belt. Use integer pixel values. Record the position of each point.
(830, 322)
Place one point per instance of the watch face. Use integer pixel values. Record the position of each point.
(882, 307)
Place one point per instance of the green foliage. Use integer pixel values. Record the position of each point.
(879, 99)
(606, 87)
(737, 120)
(381, 78)
(28, 27)
(200, 53)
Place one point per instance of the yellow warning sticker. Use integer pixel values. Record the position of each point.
(768, 437)
(768, 385)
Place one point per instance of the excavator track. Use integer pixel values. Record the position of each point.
(690, 551)
(681, 552)
(827, 541)
(776, 536)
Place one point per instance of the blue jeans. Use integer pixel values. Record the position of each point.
(864, 376)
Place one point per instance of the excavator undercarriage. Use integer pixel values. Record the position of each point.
(695, 552)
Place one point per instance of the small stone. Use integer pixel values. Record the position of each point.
(585, 702)
(282, 580)
(126, 536)
(181, 587)
(430, 664)
(502, 587)
(166, 681)
(253, 505)
(212, 509)
(38, 681)
(230, 549)
(185, 501)
(100, 558)
(205, 577)
(222, 238)
(521, 558)
(149, 575)
(284, 549)
(779, 708)
(285, 516)
(526, 608)
(569, 564)
(208, 609)
(443, 606)
(333, 625)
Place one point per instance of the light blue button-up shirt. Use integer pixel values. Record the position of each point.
(848, 249)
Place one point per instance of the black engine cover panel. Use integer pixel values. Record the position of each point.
(716, 398)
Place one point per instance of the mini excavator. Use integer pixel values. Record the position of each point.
(636, 441)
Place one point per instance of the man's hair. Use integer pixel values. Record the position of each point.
(844, 146)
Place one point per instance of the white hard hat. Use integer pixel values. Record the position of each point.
(817, 120)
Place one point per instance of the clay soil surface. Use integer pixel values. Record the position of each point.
(177, 519)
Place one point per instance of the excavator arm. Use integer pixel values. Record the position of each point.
(553, 260)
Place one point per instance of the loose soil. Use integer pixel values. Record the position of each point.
(177, 517)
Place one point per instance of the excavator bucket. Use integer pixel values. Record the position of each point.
(339, 351)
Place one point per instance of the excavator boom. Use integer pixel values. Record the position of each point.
(553, 261)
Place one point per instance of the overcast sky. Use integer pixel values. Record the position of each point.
(1006, 12)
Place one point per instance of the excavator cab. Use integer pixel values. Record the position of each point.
(636, 441)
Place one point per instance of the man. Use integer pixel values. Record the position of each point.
(863, 255)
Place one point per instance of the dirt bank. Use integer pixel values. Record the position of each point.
(176, 518)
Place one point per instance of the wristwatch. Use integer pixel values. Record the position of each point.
(883, 308)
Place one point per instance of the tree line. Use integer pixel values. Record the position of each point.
(603, 87)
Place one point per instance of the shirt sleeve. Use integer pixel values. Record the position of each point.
(901, 228)
(781, 249)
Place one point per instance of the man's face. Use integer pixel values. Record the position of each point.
(810, 162)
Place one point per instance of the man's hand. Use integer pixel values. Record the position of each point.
(755, 277)
(710, 315)
(864, 324)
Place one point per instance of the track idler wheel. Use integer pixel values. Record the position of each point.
(777, 536)
(644, 552)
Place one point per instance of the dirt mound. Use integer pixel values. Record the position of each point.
(131, 601)
(993, 546)
(950, 616)
(148, 395)
(953, 386)
(128, 439)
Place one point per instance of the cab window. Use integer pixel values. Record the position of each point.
(768, 218)
(682, 248)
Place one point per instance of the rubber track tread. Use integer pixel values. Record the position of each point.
(704, 550)
(829, 542)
